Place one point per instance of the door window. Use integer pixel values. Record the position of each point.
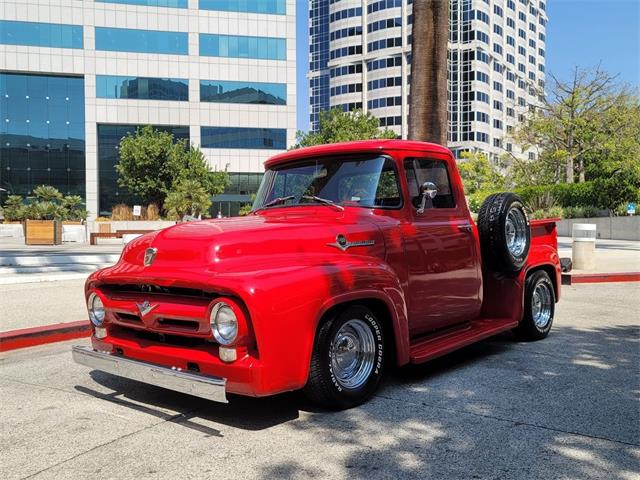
(420, 170)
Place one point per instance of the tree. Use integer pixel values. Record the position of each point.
(152, 163)
(188, 197)
(577, 119)
(478, 174)
(336, 126)
(428, 93)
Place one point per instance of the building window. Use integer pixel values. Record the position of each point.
(236, 46)
(141, 41)
(40, 34)
(142, 88)
(276, 7)
(238, 137)
(346, 13)
(42, 133)
(109, 136)
(151, 3)
(236, 194)
(218, 91)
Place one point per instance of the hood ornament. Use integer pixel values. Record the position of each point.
(149, 256)
(145, 307)
(343, 244)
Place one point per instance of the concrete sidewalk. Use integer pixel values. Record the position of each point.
(611, 255)
(562, 408)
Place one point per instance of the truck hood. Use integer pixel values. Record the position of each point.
(257, 241)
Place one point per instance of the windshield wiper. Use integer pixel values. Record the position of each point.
(275, 201)
(323, 201)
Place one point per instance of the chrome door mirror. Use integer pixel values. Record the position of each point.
(428, 190)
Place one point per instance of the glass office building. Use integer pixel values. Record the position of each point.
(218, 73)
(42, 135)
(360, 57)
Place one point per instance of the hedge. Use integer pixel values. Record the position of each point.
(596, 195)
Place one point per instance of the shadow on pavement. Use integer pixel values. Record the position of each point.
(566, 407)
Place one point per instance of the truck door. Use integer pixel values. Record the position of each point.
(443, 259)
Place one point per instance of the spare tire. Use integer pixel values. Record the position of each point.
(505, 233)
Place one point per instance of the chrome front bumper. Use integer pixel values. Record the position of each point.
(211, 388)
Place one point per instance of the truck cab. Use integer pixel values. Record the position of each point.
(355, 256)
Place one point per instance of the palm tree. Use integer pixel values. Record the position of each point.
(428, 94)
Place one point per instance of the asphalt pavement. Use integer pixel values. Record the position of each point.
(563, 408)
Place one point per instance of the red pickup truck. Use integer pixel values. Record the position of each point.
(356, 256)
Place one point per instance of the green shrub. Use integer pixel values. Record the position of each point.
(14, 209)
(573, 212)
(553, 212)
(476, 199)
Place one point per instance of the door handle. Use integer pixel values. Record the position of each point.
(465, 228)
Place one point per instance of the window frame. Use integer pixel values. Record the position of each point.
(408, 164)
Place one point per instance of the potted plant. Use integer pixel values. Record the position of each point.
(46, 212)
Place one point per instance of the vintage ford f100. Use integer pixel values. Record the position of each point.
(356, 256)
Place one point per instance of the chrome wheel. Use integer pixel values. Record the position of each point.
(541, 304)
(516, 232)
(352, 354)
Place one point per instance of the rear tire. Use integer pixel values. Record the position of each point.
(348, 359)
(539, 307)
(505, 234)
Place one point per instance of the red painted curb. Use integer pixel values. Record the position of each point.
(571, 278)
(29, 337)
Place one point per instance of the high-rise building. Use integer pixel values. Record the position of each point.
(360, 57)
(75, 76)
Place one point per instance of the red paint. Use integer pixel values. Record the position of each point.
(572, 278)
(424, 271)
(29, 337)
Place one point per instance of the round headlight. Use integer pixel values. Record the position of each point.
(96, 309)
(224, 323)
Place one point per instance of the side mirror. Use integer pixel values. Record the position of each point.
(428, 190)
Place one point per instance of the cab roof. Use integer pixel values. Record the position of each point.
(362, 146)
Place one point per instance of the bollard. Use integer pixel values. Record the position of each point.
(584, 246)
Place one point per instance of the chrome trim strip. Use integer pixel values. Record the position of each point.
(211, 388)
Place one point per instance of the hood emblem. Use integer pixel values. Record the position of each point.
(343, 244)
(149, 256)
(145, 307)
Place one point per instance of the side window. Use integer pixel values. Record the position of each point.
(420, 170)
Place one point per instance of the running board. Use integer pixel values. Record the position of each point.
(436, 345)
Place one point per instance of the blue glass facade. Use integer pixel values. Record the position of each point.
(141, 41)
(276, 7)
(40, 34)
(109, 136)
(151, 3)
(243, 92)
(42, 133)
(237, 137)
(237, 46)
(142, 88)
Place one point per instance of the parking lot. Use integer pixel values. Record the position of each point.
(566, 407)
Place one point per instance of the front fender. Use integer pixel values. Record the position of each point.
(288, 306)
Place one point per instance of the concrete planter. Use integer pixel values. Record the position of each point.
(12, 230)
(74, 232)
(607, 228)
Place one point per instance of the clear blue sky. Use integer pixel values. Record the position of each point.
(580, 33)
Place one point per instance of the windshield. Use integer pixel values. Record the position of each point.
(369, 181)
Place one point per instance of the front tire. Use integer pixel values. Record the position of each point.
(539, 307)
(348, 359)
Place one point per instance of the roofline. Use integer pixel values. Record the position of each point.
(361, 146)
